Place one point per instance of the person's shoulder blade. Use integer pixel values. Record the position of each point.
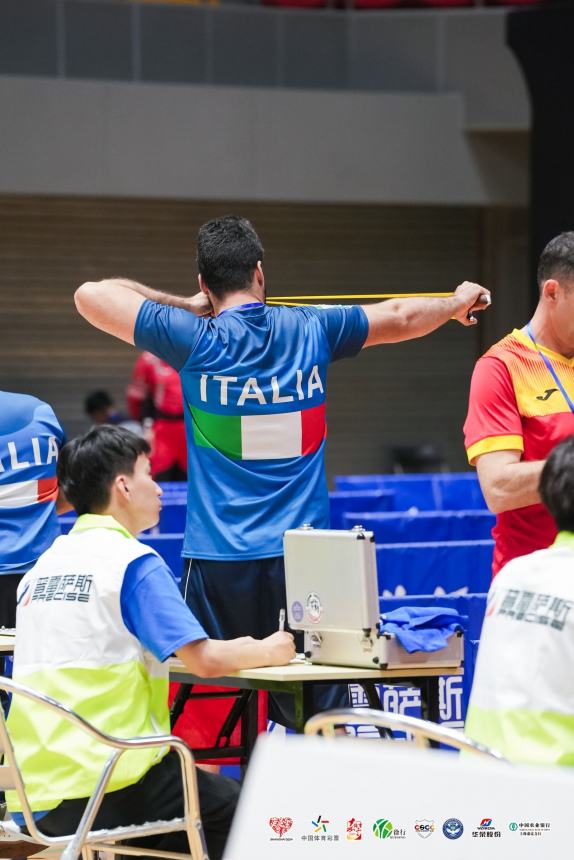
(170, 333)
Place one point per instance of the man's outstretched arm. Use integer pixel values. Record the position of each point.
(212, 658)
(403, 319)
(113, 305)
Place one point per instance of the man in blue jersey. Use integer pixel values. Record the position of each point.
(30, 437)
(254, 382)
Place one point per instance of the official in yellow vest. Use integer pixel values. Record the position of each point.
(522, 700)
(97, 617)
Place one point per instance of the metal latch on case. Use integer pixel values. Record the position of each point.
(316, 640)
(366, 641)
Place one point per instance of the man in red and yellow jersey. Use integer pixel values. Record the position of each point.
(521, 406)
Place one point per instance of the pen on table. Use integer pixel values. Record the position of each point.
(281, 620)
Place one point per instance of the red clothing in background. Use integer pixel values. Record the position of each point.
(155, 391)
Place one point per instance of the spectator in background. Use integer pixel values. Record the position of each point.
(30, 438)
(522, 702)
(521, 405)
(154, 393)
(101, 409)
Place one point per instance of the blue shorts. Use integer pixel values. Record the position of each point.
(244, 598)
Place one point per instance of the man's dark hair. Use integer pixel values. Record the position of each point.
(557, 259)
(228, 250)
(557, 484)
(96, 401)
(88, 465)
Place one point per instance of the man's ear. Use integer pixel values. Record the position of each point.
(202, 285)
(121, 486)
(550, 289)
(259, 274)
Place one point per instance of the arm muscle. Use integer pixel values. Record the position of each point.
(113, 305)
(403, 319)
(507, 482)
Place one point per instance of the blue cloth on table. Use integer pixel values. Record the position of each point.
(423, 628)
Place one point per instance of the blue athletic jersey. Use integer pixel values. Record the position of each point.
(149, 583)
(254, 382)
(30, 438)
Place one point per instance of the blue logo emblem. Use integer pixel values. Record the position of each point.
(297, 611)
(453, 828)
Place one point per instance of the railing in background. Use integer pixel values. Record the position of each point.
(334, 4)
(338, 47)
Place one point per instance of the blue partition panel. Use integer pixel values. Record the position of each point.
(174, 491)
(411, 527)
(410, 490)
(427, 492)
(424, 568)
(171, 518)
(459, 491)
(343, 501)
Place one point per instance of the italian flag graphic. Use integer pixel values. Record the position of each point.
(20, 494)
(274, 436)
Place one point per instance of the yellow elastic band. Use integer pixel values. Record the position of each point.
(292, 300)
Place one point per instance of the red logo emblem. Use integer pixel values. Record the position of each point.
(281, 825)
(354, 830)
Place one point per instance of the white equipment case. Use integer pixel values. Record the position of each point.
(331, 579)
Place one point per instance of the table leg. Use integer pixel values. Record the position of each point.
(302, 698)
(430, 701)
(374, 701)
(249, 727)
(179, 703)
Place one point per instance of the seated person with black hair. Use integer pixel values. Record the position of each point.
(522, 700)
(97, 617)
(99, 406)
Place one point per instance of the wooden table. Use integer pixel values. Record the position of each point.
(295, 679)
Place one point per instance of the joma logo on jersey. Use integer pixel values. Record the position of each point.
(548, 393)
(302, 387)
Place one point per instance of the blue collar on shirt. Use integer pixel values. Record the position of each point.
(241, 308)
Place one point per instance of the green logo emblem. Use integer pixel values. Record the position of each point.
(513, 826)
(382, 828)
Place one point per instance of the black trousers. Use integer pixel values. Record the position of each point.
(243, 598)
(158, 795)
(8, 586)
